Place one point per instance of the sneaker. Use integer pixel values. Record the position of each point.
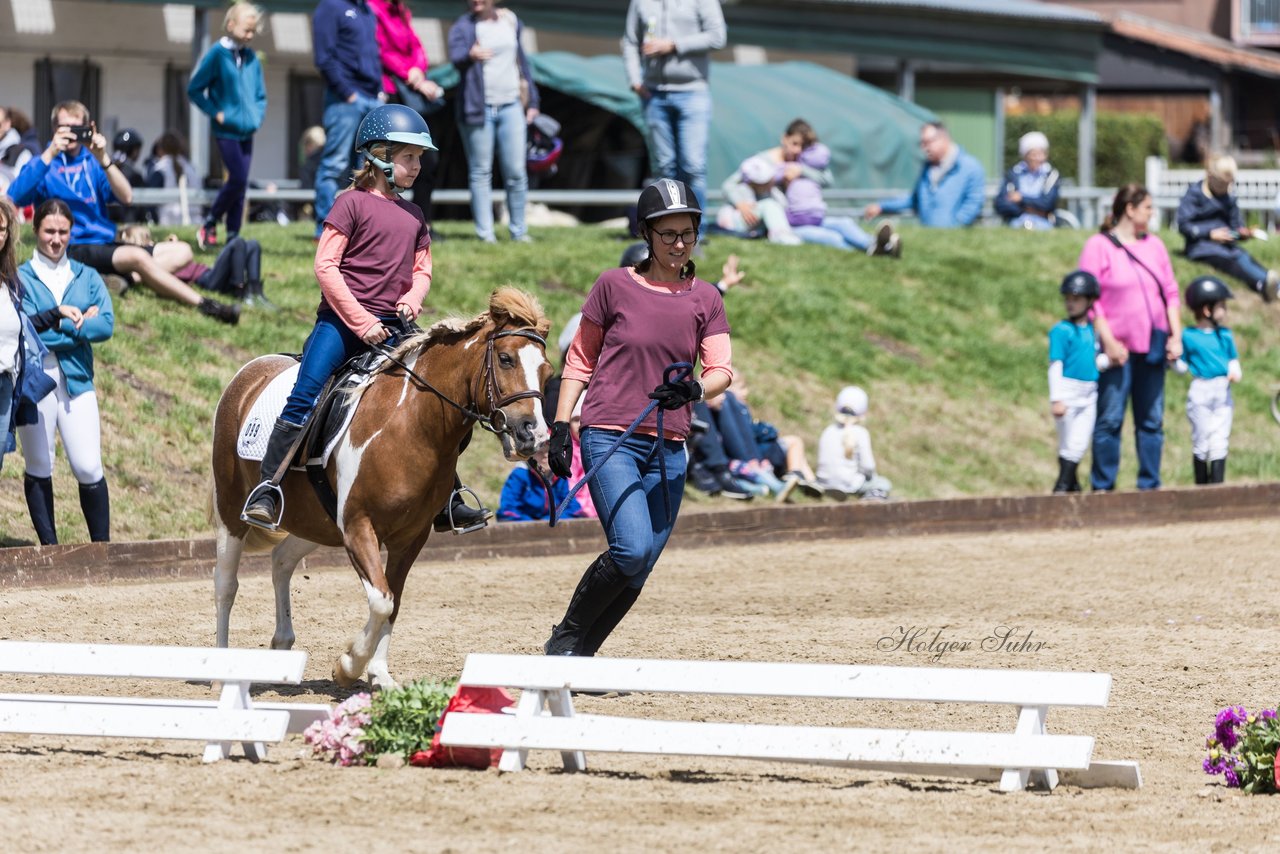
(221, 312)
(894, 247)
(116, 285)
(789, 483)
(207, 236)
(1270, 286)
(884, 234)
(524, 238)
(834, 493)
(807, 487)
(731, 487)
(703, 480)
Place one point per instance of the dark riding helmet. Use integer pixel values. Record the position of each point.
(667, 196)
(634, 254)
(128, 140)
(1079, 283)
(393, 123)
(1207, 290)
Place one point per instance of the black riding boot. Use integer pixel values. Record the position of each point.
(39, 491)
(1067, 481)
(600, 586)
(262, 509)
(1218, 470)
(220, 311)
(608, 620)
(458, 516)
(95, 503)
(1201, 469)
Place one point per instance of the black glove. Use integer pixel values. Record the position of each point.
(674, 395)
(560, 450)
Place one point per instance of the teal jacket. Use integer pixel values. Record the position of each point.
(71, 345)
(218, 86)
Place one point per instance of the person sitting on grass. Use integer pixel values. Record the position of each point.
(76, 169)
(756, 207)
(237, 271)
(845, 462)
(1029, 195)
(524, 495)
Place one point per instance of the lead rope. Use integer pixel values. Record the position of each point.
(674, 373)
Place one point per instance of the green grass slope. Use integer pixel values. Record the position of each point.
(949, 342)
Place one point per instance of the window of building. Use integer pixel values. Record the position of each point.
(62, 80)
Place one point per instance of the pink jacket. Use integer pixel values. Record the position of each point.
(1130, 301)
(399, 46)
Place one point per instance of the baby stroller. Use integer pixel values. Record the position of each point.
(543, 149)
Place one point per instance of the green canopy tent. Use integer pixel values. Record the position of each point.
(872, 134)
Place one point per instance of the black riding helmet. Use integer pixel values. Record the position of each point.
(1206, 290)
(634, 254)
(1081, 284)
(667, 196)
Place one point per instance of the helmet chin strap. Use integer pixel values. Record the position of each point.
(388, 169)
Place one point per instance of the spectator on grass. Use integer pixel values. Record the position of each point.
(126, 146)
(950, 190)
(1029, 195)
(1209, 219)
(173, 170)
(755, 207)
(497, 99)
(404, 80)
(344, 38)
(75, 168)
(524, 494)
(228, 87)
(666, 48)
(804, 168)
(52, 281)
(23, 382)
(1138, 323)
(237, 272)
(18, 144)
(845, 462)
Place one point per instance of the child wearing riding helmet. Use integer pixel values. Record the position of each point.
(636, 322)
(1074, 362)
(1209, 353)
(845, 462)
(373, 265)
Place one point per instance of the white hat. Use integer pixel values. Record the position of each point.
(1034, 139)
(570, 330)
(757, 170)
(851, 401)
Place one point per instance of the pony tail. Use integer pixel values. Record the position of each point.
(1108, 223)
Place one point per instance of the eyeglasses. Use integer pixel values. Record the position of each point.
(670, 237)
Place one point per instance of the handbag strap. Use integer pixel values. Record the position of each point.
(1135, 259)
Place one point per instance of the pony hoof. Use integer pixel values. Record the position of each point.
(341, 675)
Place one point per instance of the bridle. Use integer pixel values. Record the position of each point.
(496, 421)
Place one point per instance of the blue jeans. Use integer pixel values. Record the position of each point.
(737, 429)
(237, 155)
(328, 346)
(6, 414)
(506, 127)
(1142, 382)
(1031, 221)
(1241, 266)
(341, 121)
(239, 262)
(839, 232)
(679, 127)
(627, 492)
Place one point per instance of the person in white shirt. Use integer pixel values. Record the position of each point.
(845, 461)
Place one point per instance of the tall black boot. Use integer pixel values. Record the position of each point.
(39, 492)
(95, 503)
(263, 507)
(601, 584)
(1067, 481)
(1218, 470)
(1201, 469)
(460, 517)
(608, 620)
(220, 311)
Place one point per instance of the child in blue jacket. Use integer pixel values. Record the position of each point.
(228, 86)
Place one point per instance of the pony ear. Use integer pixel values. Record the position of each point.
(497, 308)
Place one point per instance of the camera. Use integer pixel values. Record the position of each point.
(82, 133)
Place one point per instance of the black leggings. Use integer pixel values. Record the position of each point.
(240, 261)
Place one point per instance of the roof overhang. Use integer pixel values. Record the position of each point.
(1196, 45)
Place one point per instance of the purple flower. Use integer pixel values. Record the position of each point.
(1233, 782)
(1267, 714)
(1211, 767)
(1225, 725)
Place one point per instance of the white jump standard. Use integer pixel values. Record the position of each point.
(1028, 755)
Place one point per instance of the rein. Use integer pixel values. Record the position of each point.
(496, 421)
(674, 373)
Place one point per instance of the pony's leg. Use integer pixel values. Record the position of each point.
(284, 560)
(398, 565)
(362, 548)
(225, 582)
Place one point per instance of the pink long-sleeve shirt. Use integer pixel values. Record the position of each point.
(1130, 299)
(398, 45)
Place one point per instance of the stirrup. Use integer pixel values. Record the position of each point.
(476, 526)
(256, 492)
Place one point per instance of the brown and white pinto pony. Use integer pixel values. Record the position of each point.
(393, 468)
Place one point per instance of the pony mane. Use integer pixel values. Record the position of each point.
(508, 306)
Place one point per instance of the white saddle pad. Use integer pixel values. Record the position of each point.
(256, 430)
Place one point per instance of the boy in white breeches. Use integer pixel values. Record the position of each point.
(1074, 363)
(1209, 352)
